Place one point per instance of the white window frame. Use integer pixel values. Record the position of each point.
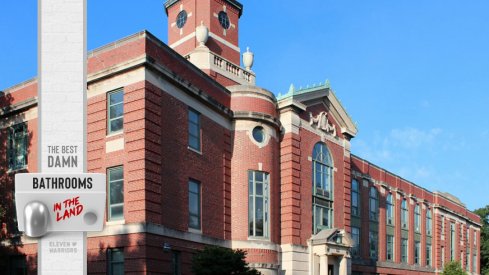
(390, 208)
(109, 185)
(252, 196)
(109, 105)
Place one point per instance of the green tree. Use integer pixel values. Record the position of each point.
(484, 256)
(453, 268)
(214, 260)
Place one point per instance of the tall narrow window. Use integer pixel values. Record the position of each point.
(467, 259)
(115, 261)
(404, 214)
(390, 248)
(17, 146)
(374, 204)
(355, 198)
(258, 184)
(322, 188)
(373, 239)
(417, 219)
(442, 256)
(194, 130)
(417, 251)
(443, 225)
(452, 241)
(467, 236)
(194, 198)
(355, 234)
(116, 193)
(404, 250)
(428, 254)
(115, 110)
(475, 237)
(177, 263)
(390, 209)
(429, 222)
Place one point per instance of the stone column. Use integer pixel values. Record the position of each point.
(323, 265)
(344, 266)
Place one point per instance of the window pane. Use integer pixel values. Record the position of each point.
(116, 174)
(116, 192)
(116, 124)
(259, 176)
(193, 204)
(325, 221)
(116, 212)
(251, 212)
(116, 111)
(259, 189)
(194, 142)
(193, 187)
(193, 129)
(116, 97)
(193, 116)
(259, 216)
(194, 221)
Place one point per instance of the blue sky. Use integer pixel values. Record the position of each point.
(412, 74)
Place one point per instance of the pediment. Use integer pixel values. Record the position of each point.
(319, 101)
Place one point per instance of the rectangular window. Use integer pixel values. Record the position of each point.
(417, 252)
(452, 241)
(194, 130)
(467, 259)
(475, 237)
(355, 234)
(390, 209)
(177, 270)
(17, 146)
(115, 111)
(116, 193)
(115, 261)
(443, 225)
(417, 219)
(258, 207)
(373, 239)
(404, 215)
(428, 254)
(404, 250)
(390, 248)
(194, 198)
(355, 198)
(373, 204)
(429, 223)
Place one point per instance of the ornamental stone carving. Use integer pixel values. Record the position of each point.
(322, 123)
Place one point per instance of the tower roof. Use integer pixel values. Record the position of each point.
(234, 3)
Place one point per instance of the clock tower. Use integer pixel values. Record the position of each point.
(206, 32)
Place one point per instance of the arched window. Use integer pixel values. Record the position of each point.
(429, 224)
(417, 219)
(355, 198)
(404, 214)
(390, 209)
(374, 204)
(322, 166)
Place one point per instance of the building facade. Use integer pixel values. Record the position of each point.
(196, 154)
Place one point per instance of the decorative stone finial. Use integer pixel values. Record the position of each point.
(291, 89)
(248, 59)
(327, 84)
(202, 34)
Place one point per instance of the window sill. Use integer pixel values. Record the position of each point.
(115, 222)
(195, 231)
(114, 134)
(17, 170)
(258, 238)
(194, 150)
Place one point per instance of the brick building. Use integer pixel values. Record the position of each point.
(196, 154)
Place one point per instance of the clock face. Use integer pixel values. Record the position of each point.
(181, 19)
(224, 20)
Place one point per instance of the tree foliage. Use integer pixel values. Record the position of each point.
(484, 256)
(214, 260)
(453, 268)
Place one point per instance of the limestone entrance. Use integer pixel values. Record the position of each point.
(330, 252)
